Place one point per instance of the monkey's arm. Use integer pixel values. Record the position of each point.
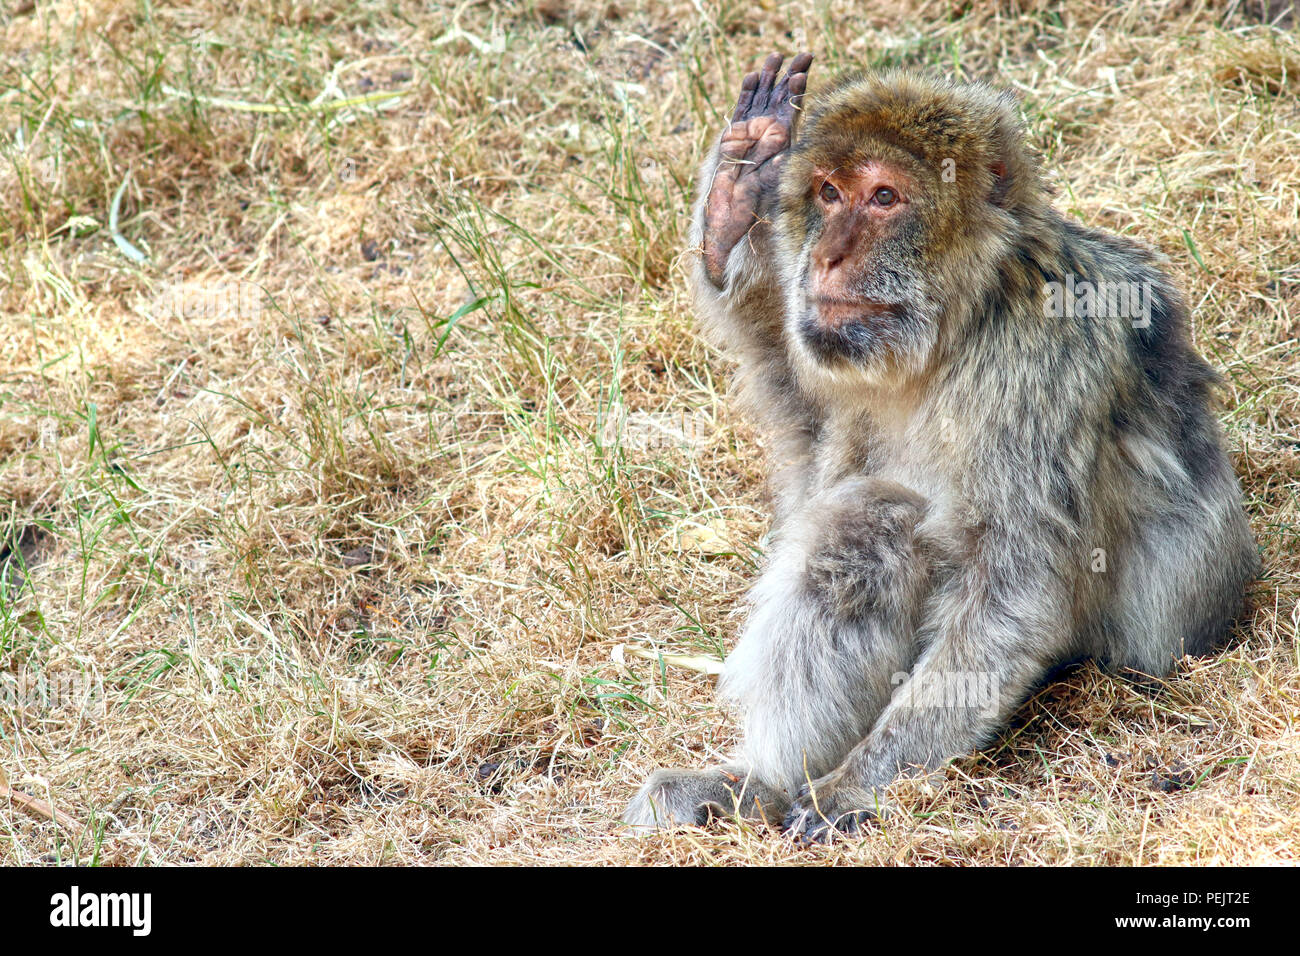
(737, 283)
(740, 179)
(993, 631)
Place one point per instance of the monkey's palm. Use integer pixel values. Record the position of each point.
(750, 158)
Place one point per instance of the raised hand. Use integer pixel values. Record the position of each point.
(750, 157)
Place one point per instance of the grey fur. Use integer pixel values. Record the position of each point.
(942, 506)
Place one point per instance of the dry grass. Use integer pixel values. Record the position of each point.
(349, 575)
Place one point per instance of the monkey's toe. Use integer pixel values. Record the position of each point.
(827, 818)
(696, 797)
(806, 825)
(666, 800)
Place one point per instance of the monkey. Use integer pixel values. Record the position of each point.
(993, 448)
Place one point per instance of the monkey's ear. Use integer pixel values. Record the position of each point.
(1001, 183)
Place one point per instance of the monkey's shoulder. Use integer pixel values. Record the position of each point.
(1110, 249)
(1127, 287)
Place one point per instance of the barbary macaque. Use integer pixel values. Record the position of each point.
(994, 450)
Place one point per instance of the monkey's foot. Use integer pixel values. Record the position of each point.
(830, 810)
(694, 797)
(751, 152)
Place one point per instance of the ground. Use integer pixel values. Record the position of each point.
(367, 494)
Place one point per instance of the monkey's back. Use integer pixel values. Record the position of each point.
(1141, 476)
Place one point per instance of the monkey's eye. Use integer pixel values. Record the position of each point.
(885, 196)
(829, 193)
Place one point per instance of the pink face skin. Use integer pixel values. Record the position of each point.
(860, 205)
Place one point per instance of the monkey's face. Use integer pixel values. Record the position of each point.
(860, 301)
(891, 218)
(863, 299)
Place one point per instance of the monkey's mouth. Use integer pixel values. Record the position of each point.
(833, 313)
(854, 330)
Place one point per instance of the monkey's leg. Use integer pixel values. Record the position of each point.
(832, 624)
(1181, 582)
(832, 628)
(990, 637)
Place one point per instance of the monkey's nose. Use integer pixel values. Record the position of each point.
(829, 282)
(828, 263)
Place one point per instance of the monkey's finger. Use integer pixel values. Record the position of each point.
(798, 84)
(747, 87)
(800, 64)
(798, 68)
(794, 83)
(766, 80)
